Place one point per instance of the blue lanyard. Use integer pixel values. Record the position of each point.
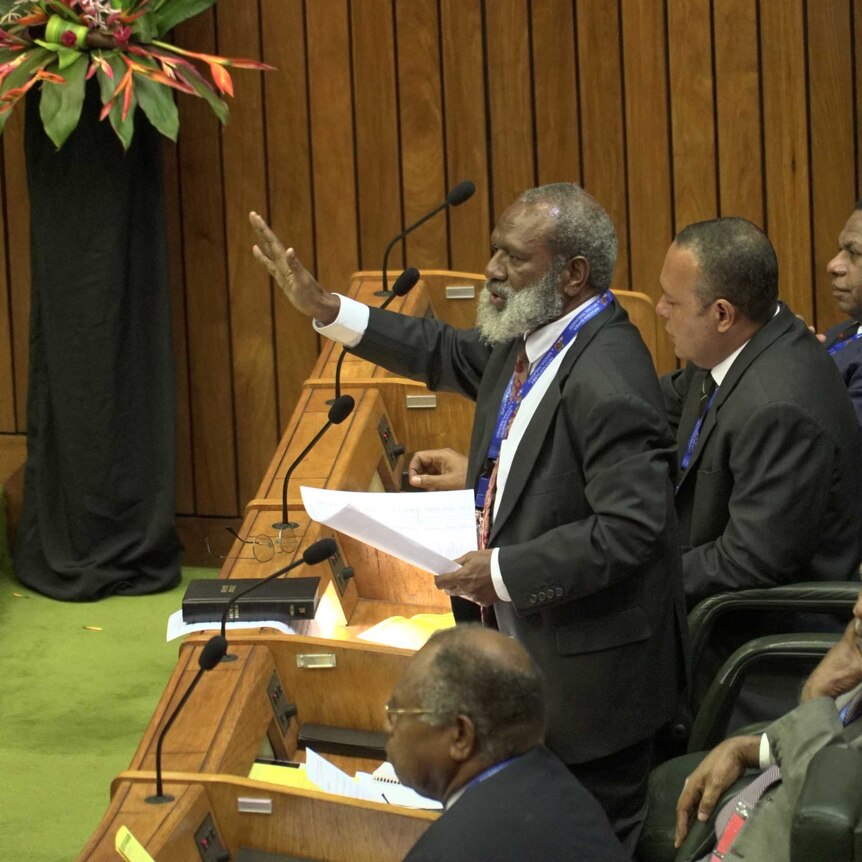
(509, 405)
(695, 432)
(843, 343)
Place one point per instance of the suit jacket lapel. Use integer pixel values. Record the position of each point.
(537, 430)
(763, 338)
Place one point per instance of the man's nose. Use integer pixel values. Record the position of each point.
(494, 270)
(835, 266)
(661, 308)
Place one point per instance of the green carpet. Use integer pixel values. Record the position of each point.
(75, 704)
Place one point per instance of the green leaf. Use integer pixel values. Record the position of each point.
(169, 13)
(203, 89)
(67, 55)
(157, 102)
(38, 58)
(145, 28)
(60, 105)
(124, 129)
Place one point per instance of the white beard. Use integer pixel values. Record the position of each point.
(525, 310)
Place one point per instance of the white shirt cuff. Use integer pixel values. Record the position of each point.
(350, 325)
(497, 577)
(766, 759)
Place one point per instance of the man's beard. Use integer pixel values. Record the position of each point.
(525, 310)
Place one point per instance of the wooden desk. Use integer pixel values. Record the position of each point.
(301, 823)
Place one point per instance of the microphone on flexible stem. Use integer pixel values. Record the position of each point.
(321, 550)
(457, 195)
(341, 408)
(403, 285)
(212, 653)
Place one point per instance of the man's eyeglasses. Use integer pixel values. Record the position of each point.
(263, 547)
(393, 713)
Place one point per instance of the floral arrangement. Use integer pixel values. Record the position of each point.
(60, 44)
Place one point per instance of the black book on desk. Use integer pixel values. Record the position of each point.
(281, 600)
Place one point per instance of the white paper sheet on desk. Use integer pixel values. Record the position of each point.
(426, 530)
(177, 628)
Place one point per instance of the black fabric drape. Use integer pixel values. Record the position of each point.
(98, 510)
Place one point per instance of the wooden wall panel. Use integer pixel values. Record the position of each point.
(786, 123)
(833, 142)
(555, 92)
(692, 111)
(461, 33)
(207, 308)
(667, 111)
(18, 258)
(289, 200)
(332, 140)
(256, 429)
(377, 142)
(603, 165)
(739, 126)
(422, 136)
(510, 101)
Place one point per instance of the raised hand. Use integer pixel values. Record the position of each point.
(438, 470)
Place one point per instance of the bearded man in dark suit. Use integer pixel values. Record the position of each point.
(571, 458)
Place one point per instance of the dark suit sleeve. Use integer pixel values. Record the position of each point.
(854, 387)
(440, 356)
(626, 455)
(781, 468)
(674, 388)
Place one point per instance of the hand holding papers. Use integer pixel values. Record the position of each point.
(426, 530)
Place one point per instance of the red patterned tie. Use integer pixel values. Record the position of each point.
(519, 376)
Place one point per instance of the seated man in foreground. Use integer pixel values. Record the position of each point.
(829, 712)
(466, 727)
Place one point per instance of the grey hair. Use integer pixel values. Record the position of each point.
(737, 262)
(504, 701)
(581, 228)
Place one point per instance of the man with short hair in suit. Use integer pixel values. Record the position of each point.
(829, 713)
(571, 458)
(466, 726)
(770, 452)
(844, 341)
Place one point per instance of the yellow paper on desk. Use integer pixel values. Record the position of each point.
(130, 848)
(286, 776)
(407, 633)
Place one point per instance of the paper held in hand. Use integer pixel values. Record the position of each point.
(425, 530)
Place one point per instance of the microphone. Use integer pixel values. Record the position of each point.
(311, 556)
(457, 195)
(212, 653)
(403, 285)
(341, 408)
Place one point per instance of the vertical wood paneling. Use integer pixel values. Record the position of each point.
(422, 136)
(18, 250)
(288, 161)
(332, 143)
(256, 428)
(833, 173)
(466, 139)
(377, 151)
(738, 108)
(208, 322)
(647, 148)
(692, 111)
(555, 92)
(510, 101)
(788, 203)
(7, 380)
(185, 477)
(668, 111)
(603, 119)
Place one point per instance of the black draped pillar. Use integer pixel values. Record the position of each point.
(98, 511)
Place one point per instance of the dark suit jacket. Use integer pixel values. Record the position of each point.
(849, 362)
(586, 524)
(773, 493)
(532, 809)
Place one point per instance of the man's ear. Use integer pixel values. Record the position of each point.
(575, 276)
(463, 743)
(725, 314)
